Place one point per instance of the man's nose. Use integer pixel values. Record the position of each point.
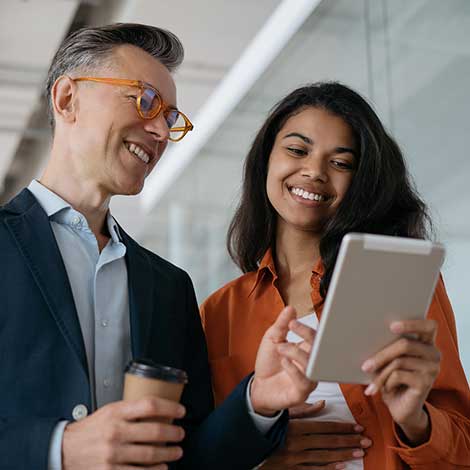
(158, 127)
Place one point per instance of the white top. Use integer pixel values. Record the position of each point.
(336, 408)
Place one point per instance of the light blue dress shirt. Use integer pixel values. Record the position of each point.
(100, 291)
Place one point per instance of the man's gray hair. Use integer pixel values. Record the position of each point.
(88, 48)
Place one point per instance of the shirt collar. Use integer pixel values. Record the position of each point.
(53, 204)
(49, 201)
(267, 265)
(113, 228)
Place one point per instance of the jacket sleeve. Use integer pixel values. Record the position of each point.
(448, 404)
(226, 437)
(24, 443)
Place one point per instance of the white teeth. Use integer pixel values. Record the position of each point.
(138, 152)
(306, 195)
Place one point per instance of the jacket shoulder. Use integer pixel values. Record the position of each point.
(163, 264)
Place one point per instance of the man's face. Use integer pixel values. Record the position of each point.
(112, 146)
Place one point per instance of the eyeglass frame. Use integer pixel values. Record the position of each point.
(142, 85)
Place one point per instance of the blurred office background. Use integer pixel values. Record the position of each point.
(410, 58)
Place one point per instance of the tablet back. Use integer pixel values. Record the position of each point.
(376, 280)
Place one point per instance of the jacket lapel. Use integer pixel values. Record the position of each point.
(31, 229)
(141, 293)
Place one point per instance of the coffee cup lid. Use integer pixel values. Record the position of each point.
(148, 368)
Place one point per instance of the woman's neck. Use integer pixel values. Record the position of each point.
(297, 251)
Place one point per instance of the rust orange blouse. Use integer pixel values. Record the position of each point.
(236, 316)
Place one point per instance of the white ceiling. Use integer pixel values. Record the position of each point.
(27, 43)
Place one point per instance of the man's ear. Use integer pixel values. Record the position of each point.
(64, 99)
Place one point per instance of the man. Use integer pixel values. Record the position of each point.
(80, 298)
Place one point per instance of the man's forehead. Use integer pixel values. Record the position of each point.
(138, 64)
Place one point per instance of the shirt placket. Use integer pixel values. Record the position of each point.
(112, 330)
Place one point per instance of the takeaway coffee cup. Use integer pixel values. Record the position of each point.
(144, 378)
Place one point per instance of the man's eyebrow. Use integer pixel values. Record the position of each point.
(306, 139)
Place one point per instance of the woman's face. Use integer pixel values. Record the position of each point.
(310, 168)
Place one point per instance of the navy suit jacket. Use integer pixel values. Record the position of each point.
(43, 367)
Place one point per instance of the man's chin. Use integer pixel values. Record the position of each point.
(133, 191)
(128, 189)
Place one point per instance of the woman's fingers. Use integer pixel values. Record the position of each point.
(304, 331)
(423, 371)
(330, 466)
(294, 352)
(401, 347)
(306, 410)
(327, 441)
(304, 426)
(325, 456)
(303, 385)
(405, 378)
(424, 330)
(278, 330)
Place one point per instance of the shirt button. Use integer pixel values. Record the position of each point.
(79, 412)
(104, 323)
(106, 383)
(76, 220)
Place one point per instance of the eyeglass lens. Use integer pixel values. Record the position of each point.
(150, 101)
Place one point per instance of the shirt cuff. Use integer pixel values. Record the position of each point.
(435, 448)
(55, 446)
(262, 423)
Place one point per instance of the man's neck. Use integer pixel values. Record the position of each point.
(84, 197)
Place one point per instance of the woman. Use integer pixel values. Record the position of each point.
(321, 166)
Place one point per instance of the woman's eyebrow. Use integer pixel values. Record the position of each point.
(346, 150)
(306, 139)
(309, 141)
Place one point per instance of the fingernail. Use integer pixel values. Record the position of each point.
(370, 390)
(358, 428)
(358, 453)
(181, 411)
(282, 347)
(396, 327)
(340, 466)
(366, 442)
(368, 366)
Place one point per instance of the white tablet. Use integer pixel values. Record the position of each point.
(376, 280)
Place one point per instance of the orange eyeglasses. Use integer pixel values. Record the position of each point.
(149, 104)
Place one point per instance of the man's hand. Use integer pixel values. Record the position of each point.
(404, 372)
(124, 435)
(279, 381)
(317, 444)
